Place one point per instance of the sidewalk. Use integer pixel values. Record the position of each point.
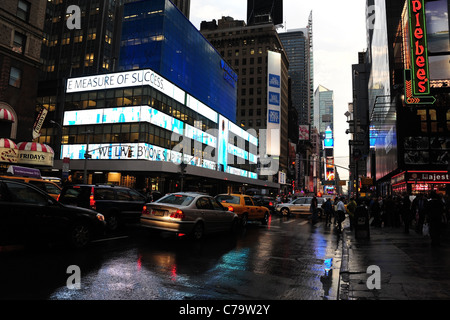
(410, 268)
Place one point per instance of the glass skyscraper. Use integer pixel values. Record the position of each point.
(156, 35)
(323, 110)
(295, 43)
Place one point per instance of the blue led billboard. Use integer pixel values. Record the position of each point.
(156, 35)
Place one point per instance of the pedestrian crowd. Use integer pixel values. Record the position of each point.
(427, 214)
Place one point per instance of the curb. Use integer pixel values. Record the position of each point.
(344, 279)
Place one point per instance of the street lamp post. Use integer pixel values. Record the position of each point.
(86, 156)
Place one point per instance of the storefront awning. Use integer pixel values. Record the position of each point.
(36, 154)
(9, 152)
(6, 115)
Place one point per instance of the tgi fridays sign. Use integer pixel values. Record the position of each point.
(9, 153)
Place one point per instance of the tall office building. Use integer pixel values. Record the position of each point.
(296, 44)
(184, 6)
(67, 52)
(21, 29)
(323, 109)
(299, 48)
(264, 11)
(246, 49)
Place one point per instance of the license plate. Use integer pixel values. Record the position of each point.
(158, 213)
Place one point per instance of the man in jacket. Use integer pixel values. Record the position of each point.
(351, 207)
(340, 213)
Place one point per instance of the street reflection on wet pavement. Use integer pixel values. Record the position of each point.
(287, 260)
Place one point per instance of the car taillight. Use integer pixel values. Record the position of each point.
(271, 204)
(231, 209)
(178, 215)
(92, 200)
(145, 211)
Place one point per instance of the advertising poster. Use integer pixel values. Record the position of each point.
(274, 104)
(223, 144)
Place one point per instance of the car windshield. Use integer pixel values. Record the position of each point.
(229, 199)
(177, 199)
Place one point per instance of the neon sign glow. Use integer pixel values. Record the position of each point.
(417, 80)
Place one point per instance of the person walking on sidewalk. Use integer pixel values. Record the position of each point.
(435, 211)
(328, 210)
(351, 208)
(418, 208)
(313, 210)
(340, 213)
(406, 212)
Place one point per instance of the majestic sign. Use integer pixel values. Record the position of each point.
(417, 80)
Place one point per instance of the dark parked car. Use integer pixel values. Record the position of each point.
(266, 201)
(117, 204)
(28, 214)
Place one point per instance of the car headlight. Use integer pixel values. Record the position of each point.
(100, 217)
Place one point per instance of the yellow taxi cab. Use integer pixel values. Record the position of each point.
(245, 208)
(32, 176)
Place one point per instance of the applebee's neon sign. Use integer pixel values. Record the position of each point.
(419, 48)
(417, 80)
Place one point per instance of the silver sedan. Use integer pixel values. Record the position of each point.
(299, 206)
(188, 213)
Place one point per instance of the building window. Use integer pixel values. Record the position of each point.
(23, 10)
(65, 39)
(108, 37)
(19, 42)
(50, 66)
(15, 77)
(89, 60)
(92, 35)
(78, 36)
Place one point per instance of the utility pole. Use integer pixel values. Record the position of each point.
(86, 156)
(183, 172)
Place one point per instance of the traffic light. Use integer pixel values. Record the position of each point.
(183, 167)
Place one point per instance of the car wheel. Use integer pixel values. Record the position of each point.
(198, 231)
(112, 222)
(235, 226)
(285, 212)
(244, 220)
(79, 235)
(265, 220)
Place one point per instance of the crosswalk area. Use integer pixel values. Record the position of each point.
(294, 222)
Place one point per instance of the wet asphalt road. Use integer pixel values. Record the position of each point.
(286, 260)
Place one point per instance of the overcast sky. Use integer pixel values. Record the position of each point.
(339, 29)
